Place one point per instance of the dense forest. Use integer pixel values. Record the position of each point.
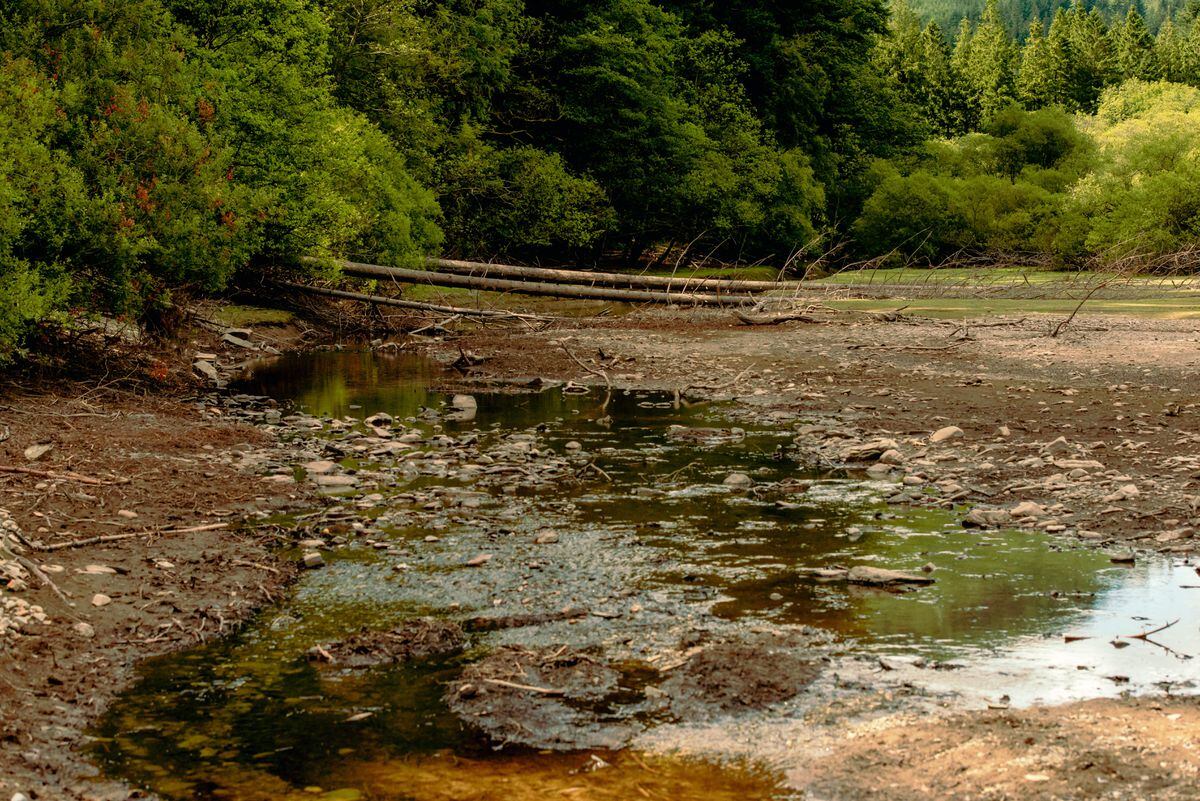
(153, 147)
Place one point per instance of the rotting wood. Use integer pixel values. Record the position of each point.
(774, 319)
(572, 291)
(593, 278)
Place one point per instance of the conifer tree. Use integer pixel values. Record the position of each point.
(1170, 52)
(960, 65)
(1093, 62)
(1135, 48)
(990, 63)
(1035, 80)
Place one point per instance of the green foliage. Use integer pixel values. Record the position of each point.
(1144, 195)
(999, 191)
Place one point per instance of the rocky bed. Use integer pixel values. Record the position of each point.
(1118, 475)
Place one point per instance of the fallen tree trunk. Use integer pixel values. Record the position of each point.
(589, 278)
(431, 278)
(384, 300)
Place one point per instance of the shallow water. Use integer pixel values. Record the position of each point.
(249, 718)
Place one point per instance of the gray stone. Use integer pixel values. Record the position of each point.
(869, 451)
(879, 577)
(232, 338)
(943, 434)
(312, 560)
(206, 369)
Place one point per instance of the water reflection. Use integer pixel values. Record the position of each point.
(250, 718)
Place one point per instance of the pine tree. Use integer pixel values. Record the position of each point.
(1191, 53)
(944, 99)
(1135, 48)
(1062, 59)
(1093, 59)
(990, 63)
(960, 66)
(1170, 52)
(1035, 81)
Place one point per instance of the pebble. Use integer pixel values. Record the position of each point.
(943, 434)
(479, 561)
(206, 369)
(36, 452)
(312, 560)
(738, 480)
(100, 599)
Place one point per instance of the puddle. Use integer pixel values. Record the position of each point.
(666, 552)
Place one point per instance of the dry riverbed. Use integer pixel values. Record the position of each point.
(1091, 437)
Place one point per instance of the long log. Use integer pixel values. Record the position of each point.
(680, 283)
(384, 300)
(431, 278)
(601, 279)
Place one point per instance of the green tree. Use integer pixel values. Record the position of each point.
(988, 63)
(1135, 48)
(1036, 81)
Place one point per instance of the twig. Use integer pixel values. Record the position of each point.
(58, 546)
(70, 476)
(526, 687)
(1145, 635)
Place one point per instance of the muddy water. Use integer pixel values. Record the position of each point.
(664, 554)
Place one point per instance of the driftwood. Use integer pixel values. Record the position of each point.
(680, 283)
(384, 300)
(774, 319)
(575, 291)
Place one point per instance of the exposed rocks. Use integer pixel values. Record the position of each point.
(869, 451)
(880, 577)
(944, 434)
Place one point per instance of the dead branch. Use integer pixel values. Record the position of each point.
(59, 546)
(774, 319)
(1145, 635)
(67, 476)
(527, 687)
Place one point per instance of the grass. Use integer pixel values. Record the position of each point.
(1156, 308)
(237, 316)
(1177, 299)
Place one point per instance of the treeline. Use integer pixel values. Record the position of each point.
(1081, 145)
(153, 148)
(1019, 15)
(149, 147)
(957, 87)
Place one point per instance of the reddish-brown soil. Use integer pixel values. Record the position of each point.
(177, 468)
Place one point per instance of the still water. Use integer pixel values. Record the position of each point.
(250, 718)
